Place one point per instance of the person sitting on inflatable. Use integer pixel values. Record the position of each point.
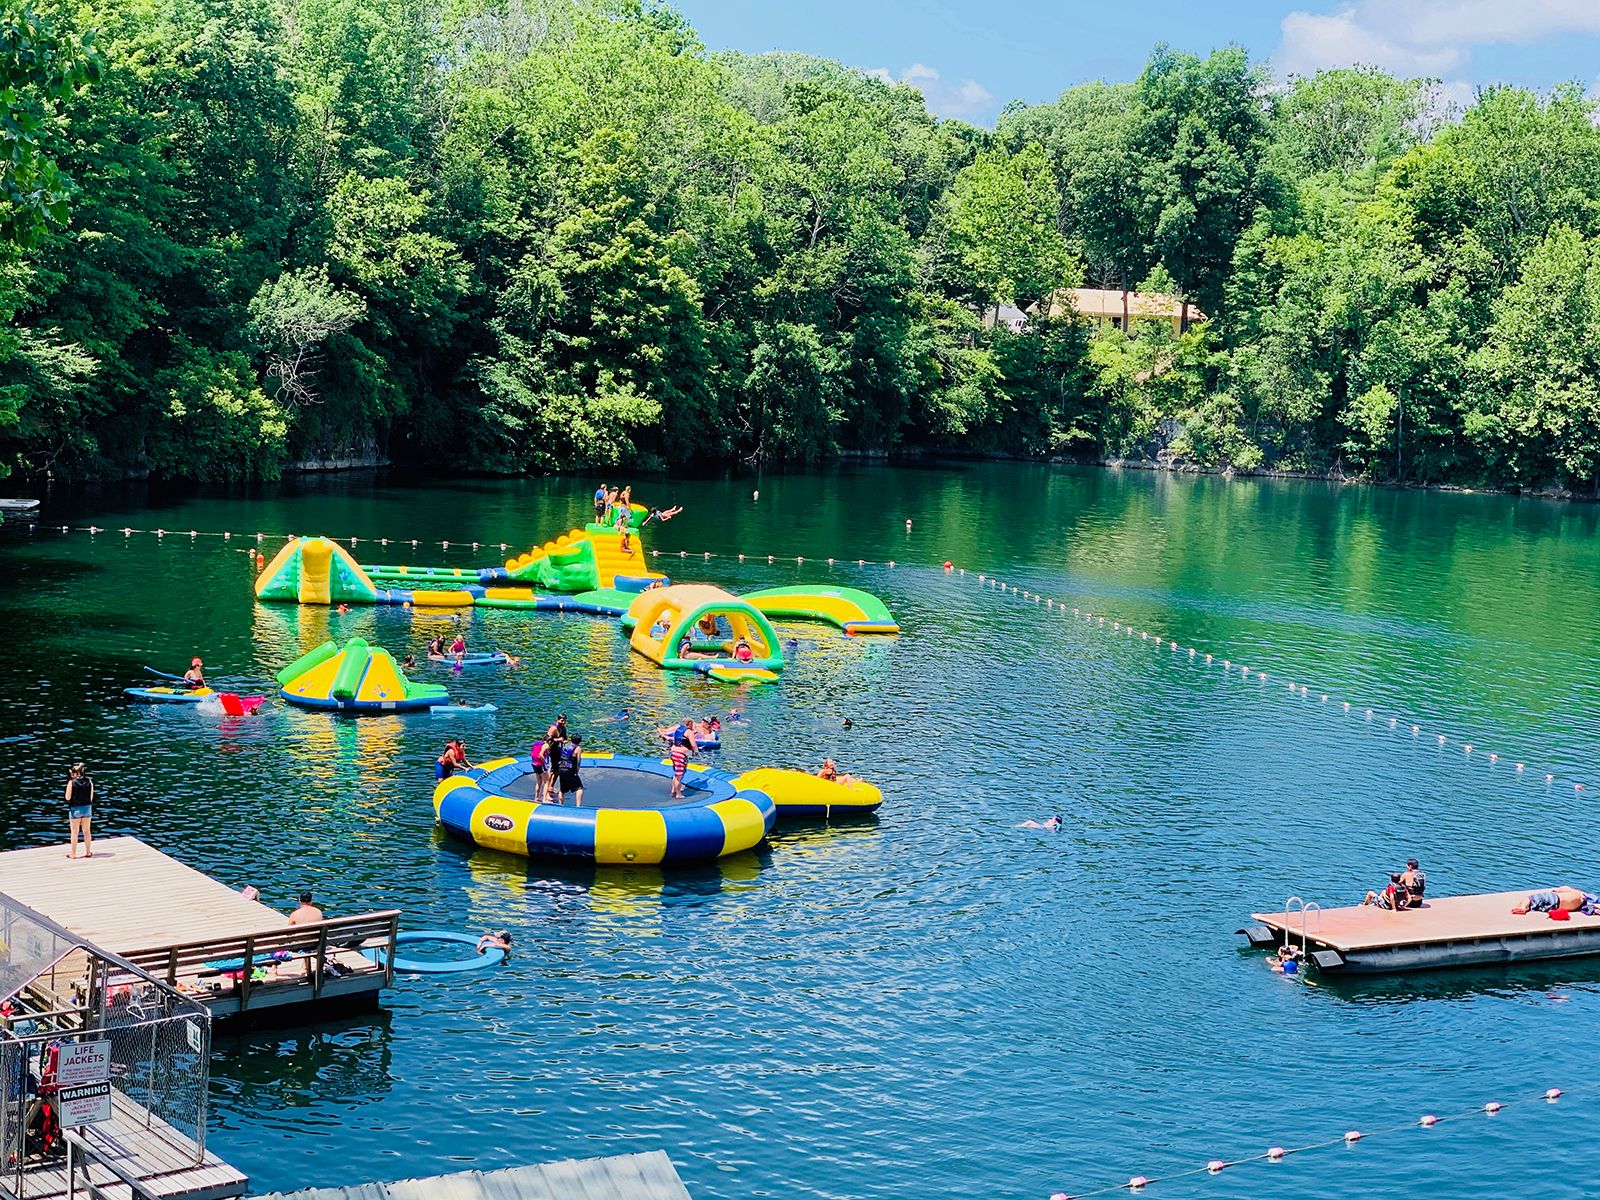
(436, 647)
(195, 676)
(830, 771)
(742, 651)
(459, 646)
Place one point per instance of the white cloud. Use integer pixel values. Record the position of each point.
(1422, 37)
(968, 99)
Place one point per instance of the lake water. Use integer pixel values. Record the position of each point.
(938, 1004)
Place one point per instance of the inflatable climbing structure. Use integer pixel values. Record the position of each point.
(584, 570)
(355, 678)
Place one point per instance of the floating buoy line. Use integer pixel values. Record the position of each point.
(1268, 681)
(1098, 620)
(1277, 1154)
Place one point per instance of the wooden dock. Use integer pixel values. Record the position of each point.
(646, 1176)
(133, 1148)
(1448, 932)
(179, 923)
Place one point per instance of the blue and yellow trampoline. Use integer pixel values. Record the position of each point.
(628, 813)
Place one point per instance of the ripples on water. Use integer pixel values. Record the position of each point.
(936, 1004)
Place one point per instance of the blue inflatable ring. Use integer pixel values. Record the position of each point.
(491, 957)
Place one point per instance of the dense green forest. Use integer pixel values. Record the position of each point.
(533, 234)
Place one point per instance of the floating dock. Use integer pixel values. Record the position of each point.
(233, 955)
(646, 1176)
(1456, 931)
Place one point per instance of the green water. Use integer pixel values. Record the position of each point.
(937, 1004)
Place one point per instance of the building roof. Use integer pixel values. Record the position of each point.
(648, 1176)
(1105, 302)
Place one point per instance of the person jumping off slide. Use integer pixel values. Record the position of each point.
(656, 514)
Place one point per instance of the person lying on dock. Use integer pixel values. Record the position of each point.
(1049, 823)
(500, 940)
(1559, 899)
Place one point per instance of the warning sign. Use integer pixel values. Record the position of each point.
(85, 1104)
(84, 1062)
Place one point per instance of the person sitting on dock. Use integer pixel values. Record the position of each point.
(195, 676)
(305, 912)
(1558, 899)
(499, 940)
(1416, 883)
(1394, 896)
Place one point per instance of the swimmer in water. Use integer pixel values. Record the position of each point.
(847, 723)
(1049, 823)
(344, 609)
(408, 662)
(499, 940)
(1285, 962)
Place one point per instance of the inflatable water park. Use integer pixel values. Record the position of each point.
(599, 570)
(629, 814)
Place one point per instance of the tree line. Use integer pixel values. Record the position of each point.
(511, 235)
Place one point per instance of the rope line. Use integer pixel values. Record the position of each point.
(1275, 1154)
(1394, 721)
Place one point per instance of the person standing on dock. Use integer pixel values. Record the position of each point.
(80, 810)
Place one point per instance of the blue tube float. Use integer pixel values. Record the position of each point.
(491, 956)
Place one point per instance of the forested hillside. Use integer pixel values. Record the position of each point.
(530, 234)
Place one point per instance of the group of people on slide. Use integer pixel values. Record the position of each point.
(613, 508)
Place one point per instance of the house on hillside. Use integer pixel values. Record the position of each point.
(1005, 316)
(1122, 310)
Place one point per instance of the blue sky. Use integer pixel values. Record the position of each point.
(970, 58)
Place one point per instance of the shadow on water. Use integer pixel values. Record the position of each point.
(348, 1061)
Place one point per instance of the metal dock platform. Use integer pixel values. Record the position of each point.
(233, 955)
(1454, 931)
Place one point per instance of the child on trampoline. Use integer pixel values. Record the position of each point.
(680, 765)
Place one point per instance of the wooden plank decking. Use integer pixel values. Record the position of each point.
(1455, 931)
(646, 1176)
(173, 920)
(1449, 919)
(136, 1144)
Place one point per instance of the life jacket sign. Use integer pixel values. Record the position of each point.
(84, 1062)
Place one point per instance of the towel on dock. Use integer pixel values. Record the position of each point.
(222, 965)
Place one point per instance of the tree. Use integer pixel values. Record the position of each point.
(1002, 214)
(42, 63)
(292, 319)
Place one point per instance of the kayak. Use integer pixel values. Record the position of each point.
(463, 710)
(472, 658)
(166, 695)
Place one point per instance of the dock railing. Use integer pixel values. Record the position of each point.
(296, 956)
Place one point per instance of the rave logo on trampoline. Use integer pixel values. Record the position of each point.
(498, 823)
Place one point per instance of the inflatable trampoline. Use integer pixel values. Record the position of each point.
(628, 813)
(802, 794)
